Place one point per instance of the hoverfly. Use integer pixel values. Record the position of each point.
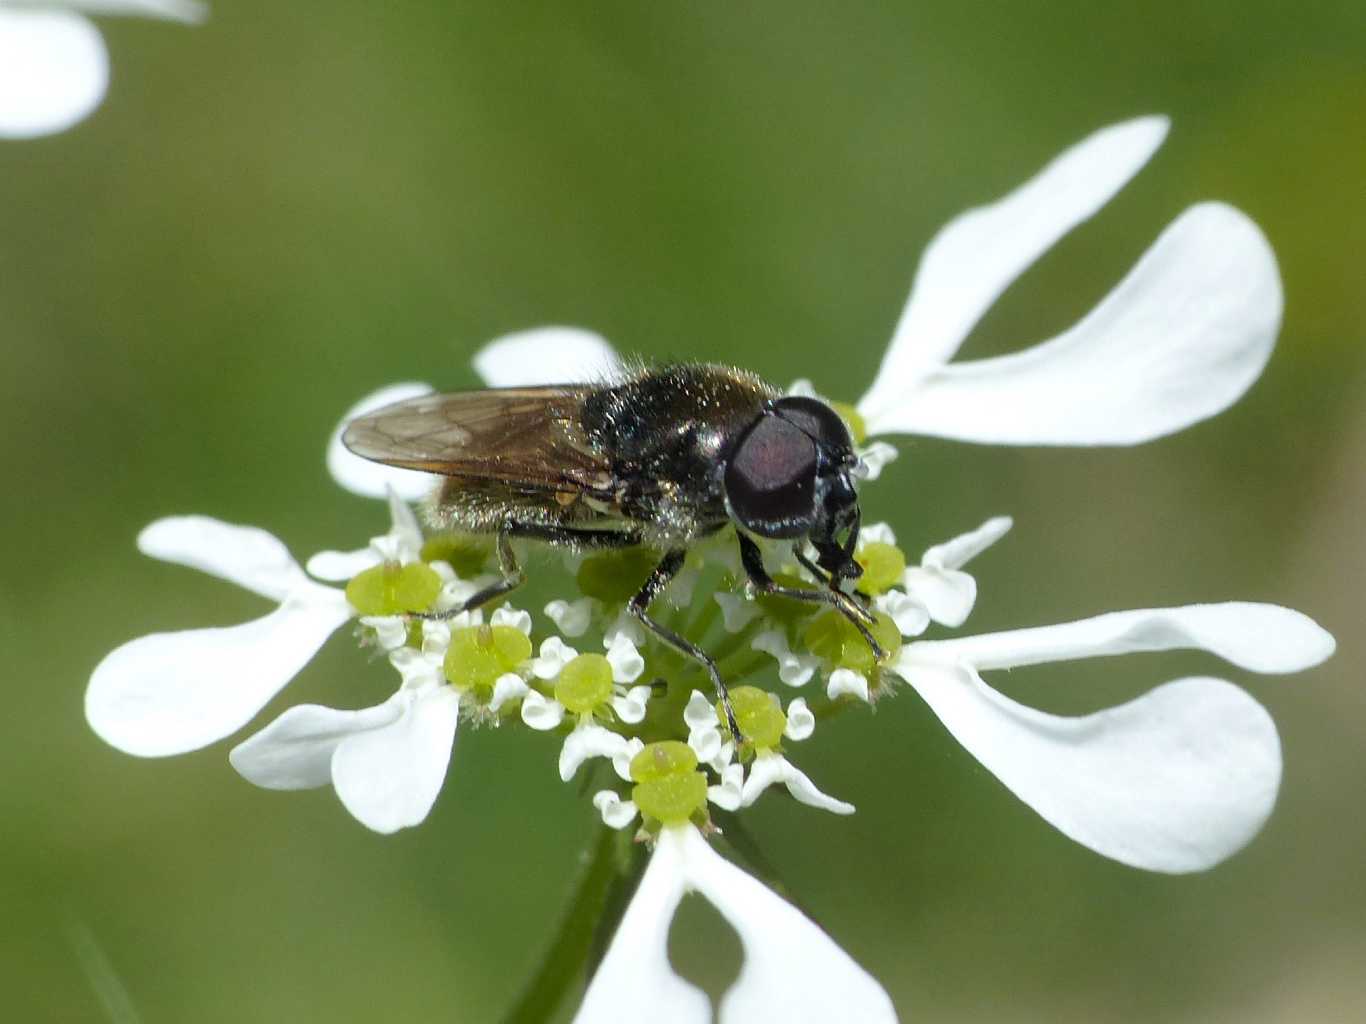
(657, 458)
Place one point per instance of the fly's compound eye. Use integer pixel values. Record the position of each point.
(817, 420)
(771, 479)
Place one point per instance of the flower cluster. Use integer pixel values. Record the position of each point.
(1175, 780)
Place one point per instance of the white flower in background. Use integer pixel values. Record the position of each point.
(54, 68)
(792, 970)
(1175, 780)
(170, 693)
(1177, 341)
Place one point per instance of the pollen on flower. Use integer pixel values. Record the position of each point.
(833, 637)
(585, 683)
(669, 788)
(478, 655)
(392, 589)
(883, 566)
(758, 714)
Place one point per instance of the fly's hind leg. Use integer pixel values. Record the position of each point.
(640, 606)
(513, 576)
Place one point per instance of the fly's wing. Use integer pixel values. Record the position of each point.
(529, 438)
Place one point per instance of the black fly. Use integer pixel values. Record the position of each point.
(657, 459)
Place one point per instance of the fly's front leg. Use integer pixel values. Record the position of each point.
(753, 560)
(640, 606)
(861, 607)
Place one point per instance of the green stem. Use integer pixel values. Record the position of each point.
(611, 869)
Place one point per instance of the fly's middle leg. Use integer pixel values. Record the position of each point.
(639, 607)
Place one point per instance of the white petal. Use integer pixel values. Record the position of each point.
(555, 654)
(516, 618)
(391, 631)
(571, 617)
(801, 723)
(700, 713)
(245, 555)
(337, 566)
(616, 812)
(627, 625)
(1258, 637)
(846, 681)
(404, 531)
(505, 688)
(54, 70)
(454, 594)
(546, 355)
(737, 610)
(946, 594)
(436, 636)
(588, 740)
(910, 616)
(956, 553)
(1179, 340)
(295, 751)
(876, 533)
(631, 707)
(389, 778)
(188, 11)
(1175, 781)
(874, 458)
(621, 760)
(705, 743)
(973, 258)
(540, 712)
(370, 479)
(793, 669)
(625, 659)
(419, 669)
(174, 692)
(634, 980)
(730, 791)
(769, 769)
(793, 972)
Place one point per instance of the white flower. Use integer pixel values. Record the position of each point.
(792, 970)
(54, 68)
(938, 583)
(387, 763)
(769, 767)
(169, 693)
(588, 739)
(1176, 780)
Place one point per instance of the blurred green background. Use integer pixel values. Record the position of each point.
(278, 211)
